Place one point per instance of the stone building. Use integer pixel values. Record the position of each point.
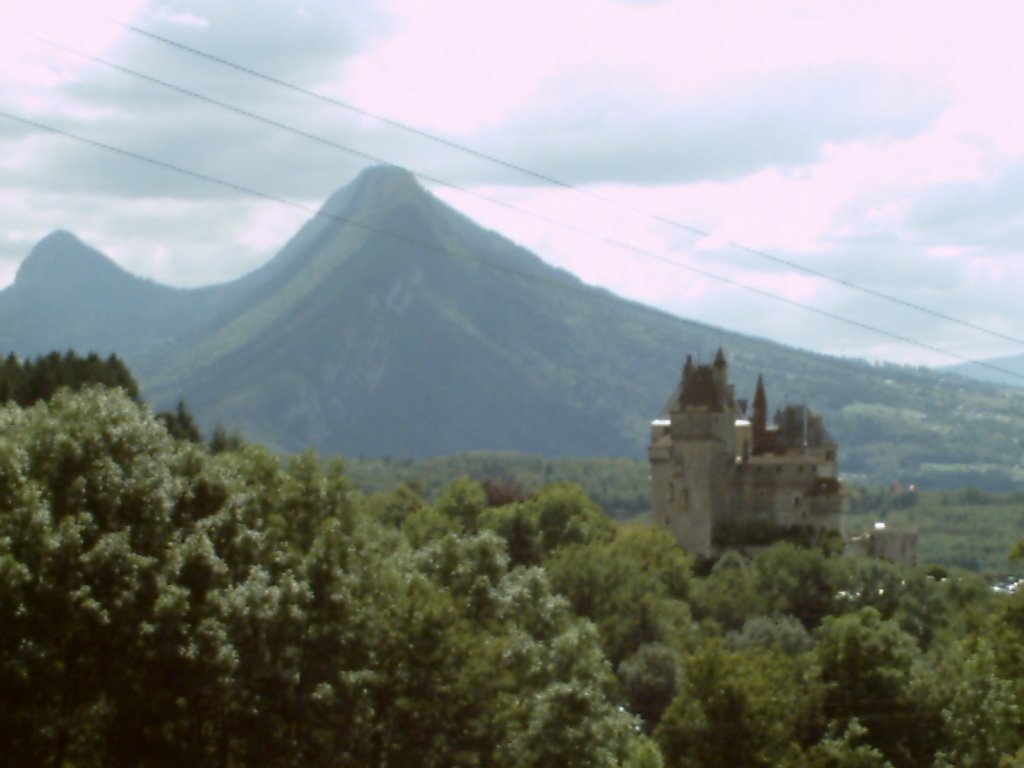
(722, 478)
(897, 545)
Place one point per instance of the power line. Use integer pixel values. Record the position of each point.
(576, 286)
(367, 156)
(347, 148)
(548, 179)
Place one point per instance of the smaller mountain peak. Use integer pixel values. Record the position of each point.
(61, 255)
(59, 239)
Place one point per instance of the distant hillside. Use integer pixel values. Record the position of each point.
(67, 295)
(1014, 364)
(449, 338)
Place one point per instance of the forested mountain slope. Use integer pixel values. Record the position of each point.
(393, 325)
(67, 295)
(1011, 375)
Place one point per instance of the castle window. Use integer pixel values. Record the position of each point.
(830, 455)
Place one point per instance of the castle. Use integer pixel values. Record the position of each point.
(721, 479)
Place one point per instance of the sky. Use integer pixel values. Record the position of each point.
(711, 156)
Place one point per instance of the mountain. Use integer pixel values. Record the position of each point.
(392, 325)
(1011, 375)
(67, 295)
(372, 344)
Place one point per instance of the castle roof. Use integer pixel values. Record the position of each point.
(700, 390)
(798, 426)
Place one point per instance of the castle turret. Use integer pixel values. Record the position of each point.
(720, 369)
(759, 417)
(693, 455)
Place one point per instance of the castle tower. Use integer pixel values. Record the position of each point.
(759, 418)
(693, 455)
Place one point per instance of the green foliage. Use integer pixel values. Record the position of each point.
(162, 604)
(963, 529)
(730, 595)
(518, 524)
(866, 664)
(565, 515)
(650, 681)
(778, 633)
(462, 503)
(613, 584)
(850, 749)
(619, 486)
(27, 382)
(967, 528)
(224, 439)
(795, 581)
(739, 709)
(759, 532)
(181, 424)
(981, 714)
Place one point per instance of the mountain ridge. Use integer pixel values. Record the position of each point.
(391, 324)
(1011, 375)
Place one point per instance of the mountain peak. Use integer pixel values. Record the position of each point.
(378, 186)
(386, 187)
(61, 255)
(387, 176)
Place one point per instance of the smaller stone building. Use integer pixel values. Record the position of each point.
(897, 545)
(723, 478)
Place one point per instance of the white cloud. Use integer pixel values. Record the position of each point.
(181, 18)
(878, 142)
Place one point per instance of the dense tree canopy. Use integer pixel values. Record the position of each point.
(165, 604)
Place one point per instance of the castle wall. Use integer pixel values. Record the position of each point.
(703, 487)
(786, 489)
(660, 457)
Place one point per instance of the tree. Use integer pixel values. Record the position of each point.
(779, 633)
(607, 583)
(848, 749)
(730, 595)
(866, 664)
(518, 524)
(565, 515)
(981, 716)
(740, 709)
(795, 581)
(181, 424)
(650, 680)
